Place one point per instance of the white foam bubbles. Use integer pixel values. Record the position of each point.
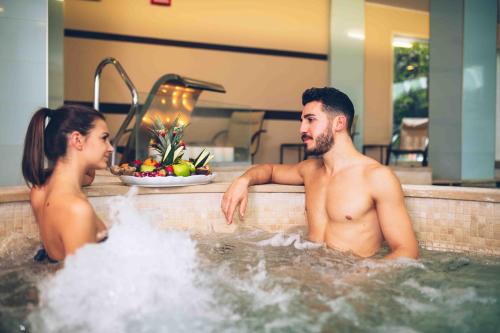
(343, 309)
(142, 279)
(280, 239)
(449, 297)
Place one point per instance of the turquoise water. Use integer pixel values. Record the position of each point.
(254, 281)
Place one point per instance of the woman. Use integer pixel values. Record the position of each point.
(75, 142)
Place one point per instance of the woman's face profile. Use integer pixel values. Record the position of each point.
(97, 146)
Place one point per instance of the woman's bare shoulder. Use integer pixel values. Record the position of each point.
(37, 200)
(69, 209)
(72, 204)
(37, 196)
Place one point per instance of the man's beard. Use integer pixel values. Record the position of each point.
(324, 142)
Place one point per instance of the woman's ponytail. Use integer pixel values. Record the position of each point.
(51, 142)
(33, 163)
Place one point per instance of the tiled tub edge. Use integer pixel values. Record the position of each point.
(444, 218)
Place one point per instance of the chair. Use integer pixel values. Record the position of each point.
(243, 133)
(413, 138)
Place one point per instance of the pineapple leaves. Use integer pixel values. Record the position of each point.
(203, 158)
(166, 141)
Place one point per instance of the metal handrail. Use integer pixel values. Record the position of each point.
(134, 107)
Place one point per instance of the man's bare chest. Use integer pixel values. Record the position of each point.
(338, 200)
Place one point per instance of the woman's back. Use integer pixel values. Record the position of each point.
(75, 141)
(65, 218)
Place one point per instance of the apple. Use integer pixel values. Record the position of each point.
(182, 170)
(192, 169)
(147, 168)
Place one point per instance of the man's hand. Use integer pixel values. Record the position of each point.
(88, 178)
(236, 194)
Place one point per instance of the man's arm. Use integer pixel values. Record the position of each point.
(88, 178)
(237, 192)
(393, 217)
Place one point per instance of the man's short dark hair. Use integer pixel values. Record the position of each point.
(333, 100)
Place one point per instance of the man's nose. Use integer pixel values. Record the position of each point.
(303, 127)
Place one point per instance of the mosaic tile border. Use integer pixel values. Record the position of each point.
(440, 224)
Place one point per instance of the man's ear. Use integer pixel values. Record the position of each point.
(76, 140)
(340, 123)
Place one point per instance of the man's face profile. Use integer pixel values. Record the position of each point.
(316, 129)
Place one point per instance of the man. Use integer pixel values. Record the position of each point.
(353, 202)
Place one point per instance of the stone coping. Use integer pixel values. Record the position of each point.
(108, 185)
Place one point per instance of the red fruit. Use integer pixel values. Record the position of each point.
(137, 162)
(169, 169)
(182, 143)
(157, 164)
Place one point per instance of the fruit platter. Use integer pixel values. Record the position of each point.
(166, 167)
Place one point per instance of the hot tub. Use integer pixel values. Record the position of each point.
(259, 274)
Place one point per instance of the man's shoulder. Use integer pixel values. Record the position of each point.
(372, 170)
(381, 178)
(310, 165)
(375, 169)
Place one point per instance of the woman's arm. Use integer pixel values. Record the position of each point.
(78, 227)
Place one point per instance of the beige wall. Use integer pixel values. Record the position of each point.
(251, 80)
(203, 130)
(276, 24)
(260, 81)
(382, 23)
(257, 81)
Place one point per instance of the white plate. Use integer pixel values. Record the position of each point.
(167, 181)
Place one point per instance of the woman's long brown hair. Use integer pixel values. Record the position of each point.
(51, 142)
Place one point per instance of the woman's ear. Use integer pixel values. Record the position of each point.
(76, 140)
